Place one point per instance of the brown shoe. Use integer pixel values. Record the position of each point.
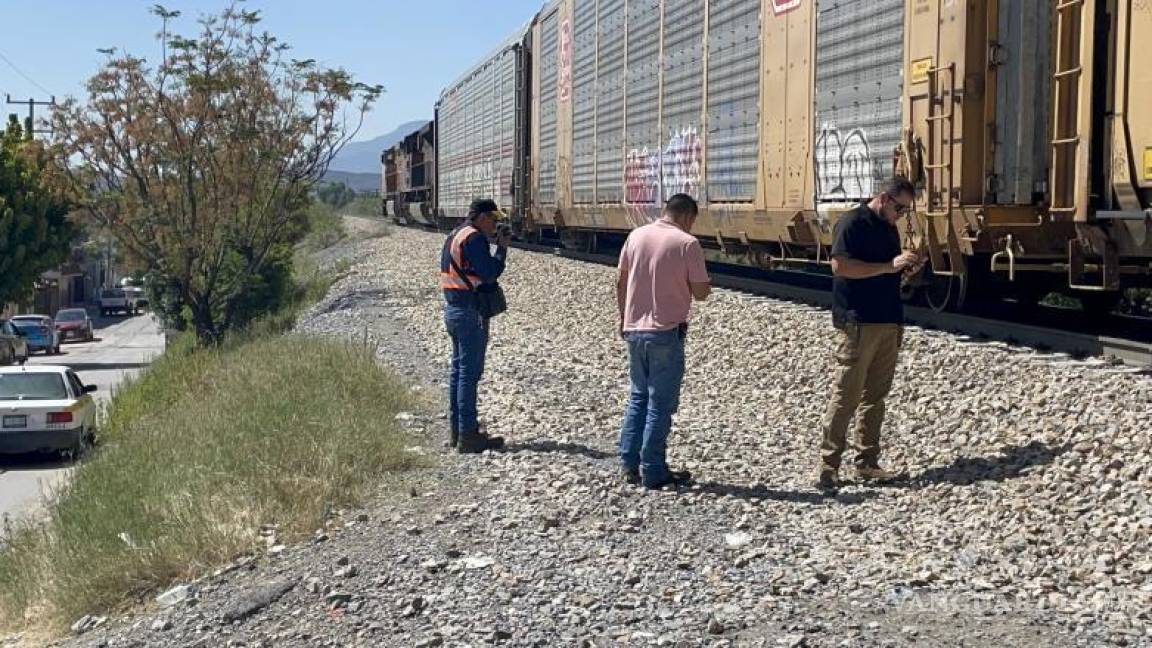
(876, 474)
(827, 481)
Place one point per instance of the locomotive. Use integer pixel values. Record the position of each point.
(1025, 125)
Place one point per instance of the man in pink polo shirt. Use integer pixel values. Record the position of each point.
(661, 270)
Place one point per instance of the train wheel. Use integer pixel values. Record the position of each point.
(945, 292)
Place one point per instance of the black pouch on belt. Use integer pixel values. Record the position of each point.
(490, 300)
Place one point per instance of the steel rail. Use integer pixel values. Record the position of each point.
(1135, 353)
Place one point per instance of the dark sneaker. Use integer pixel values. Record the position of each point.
(475, 442)
(827, 481)
(674, 478)
(494, 442)
(630, 476)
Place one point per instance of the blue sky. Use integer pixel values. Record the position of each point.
(412, 47)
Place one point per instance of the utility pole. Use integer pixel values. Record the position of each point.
(30, 123)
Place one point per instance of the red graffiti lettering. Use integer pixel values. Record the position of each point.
(784, 6)
(641, 176)
(564, 78)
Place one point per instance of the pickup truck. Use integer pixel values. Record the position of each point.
(137, 298)
(115, 300)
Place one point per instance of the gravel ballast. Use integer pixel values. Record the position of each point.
(1025, 520)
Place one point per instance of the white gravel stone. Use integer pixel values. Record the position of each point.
(1025, 521)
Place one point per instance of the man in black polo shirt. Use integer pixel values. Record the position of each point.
(867, 262)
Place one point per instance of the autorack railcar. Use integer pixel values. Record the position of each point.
(1025, 125)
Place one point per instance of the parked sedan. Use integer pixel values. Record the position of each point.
(45, 409)
(74, 324)
(39, 332)
(13, 346)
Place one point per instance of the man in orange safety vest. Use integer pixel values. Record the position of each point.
(466, 264)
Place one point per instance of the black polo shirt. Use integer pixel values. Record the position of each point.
(864, 235)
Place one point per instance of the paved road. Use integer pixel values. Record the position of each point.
(122, 346)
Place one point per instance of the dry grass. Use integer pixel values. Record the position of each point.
(205, 447)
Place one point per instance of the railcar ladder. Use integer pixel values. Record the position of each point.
(1072, 96)
(939, 169)
(1068, 94)
(519, 187)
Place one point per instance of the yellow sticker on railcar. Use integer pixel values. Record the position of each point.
(920, 68)
(1148, 163)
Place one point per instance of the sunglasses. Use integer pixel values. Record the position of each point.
(899, 207)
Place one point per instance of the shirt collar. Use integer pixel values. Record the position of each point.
(874, 216)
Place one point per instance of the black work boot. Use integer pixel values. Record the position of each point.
(827, 481)
(494, 442)
(475, 442)
(674, 478)
(630, 476)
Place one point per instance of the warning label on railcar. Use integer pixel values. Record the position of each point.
(1148, 163)
(784, 6)
(919, 70)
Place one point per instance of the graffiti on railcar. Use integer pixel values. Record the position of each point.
(642, 176)
(478, 176)
(564, 77)
(681, 163)
(784, 6)
(844, 165)
(675, 169)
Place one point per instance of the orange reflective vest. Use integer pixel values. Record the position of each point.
(449, 278)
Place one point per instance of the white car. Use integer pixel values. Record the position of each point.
(45, 408)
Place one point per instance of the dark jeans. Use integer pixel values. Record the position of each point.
(469, 334)
(656, 371)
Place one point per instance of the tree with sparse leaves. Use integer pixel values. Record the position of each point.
(35, 233)
(202, 166)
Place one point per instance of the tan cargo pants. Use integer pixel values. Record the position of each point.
(866, 363)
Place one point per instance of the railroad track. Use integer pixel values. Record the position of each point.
(1135, 355)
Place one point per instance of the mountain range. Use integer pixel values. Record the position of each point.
(364, 157)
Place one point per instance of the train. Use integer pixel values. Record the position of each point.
(1026, 126)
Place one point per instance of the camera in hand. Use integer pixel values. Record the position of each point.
(503, 231)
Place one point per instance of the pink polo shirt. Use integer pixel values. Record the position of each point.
(659, 260)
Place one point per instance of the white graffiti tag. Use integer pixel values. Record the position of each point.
(675, 169)
(681, 163)
(844, 165)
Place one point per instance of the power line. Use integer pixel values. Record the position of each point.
(27, 78)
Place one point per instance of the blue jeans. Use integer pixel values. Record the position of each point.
(656, 370)
(469, 334)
